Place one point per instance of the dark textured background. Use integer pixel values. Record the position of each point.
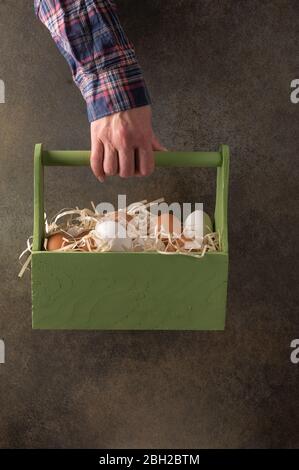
(218, 72)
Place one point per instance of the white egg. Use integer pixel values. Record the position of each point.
(115, 234)
(110, 229)
(197, 225)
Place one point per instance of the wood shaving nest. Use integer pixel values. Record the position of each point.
(79, 224)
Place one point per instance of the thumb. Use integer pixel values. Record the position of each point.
(156, 144)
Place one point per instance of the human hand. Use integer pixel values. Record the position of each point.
(123, 144)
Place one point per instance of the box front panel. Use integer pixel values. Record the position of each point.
(118, 291)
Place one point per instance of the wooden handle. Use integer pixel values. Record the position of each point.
(166, 159)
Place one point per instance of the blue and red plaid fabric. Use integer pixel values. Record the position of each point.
(103, 62)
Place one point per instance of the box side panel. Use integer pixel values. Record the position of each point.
(116, 291)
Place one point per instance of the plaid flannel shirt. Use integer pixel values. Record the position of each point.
(102, 60)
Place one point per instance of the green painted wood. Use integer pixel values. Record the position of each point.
(120, 291)
(38, 199)
(221, 207)
(130, 290)
(164, 159)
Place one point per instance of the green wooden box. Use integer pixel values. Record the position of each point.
(130, 291)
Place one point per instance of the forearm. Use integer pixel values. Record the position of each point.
(102, 60)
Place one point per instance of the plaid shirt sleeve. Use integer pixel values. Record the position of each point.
(103, 62)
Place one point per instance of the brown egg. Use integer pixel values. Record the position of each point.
(56, 241)
(168, 223)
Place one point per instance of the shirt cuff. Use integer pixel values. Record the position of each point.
(114, 90)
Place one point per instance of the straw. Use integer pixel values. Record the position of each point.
(78, 225)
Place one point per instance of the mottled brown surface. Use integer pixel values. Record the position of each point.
(218, 72)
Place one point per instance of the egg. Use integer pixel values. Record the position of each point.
(167, 223)
(108, 229)
(197, 225)
(114, 233)
(56, 241)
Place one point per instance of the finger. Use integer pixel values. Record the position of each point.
(96, 159)
(110, 160)
(126, 163)
(156, 145)
(137, 163)
(145, 162)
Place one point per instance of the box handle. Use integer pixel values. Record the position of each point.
(219, 160)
